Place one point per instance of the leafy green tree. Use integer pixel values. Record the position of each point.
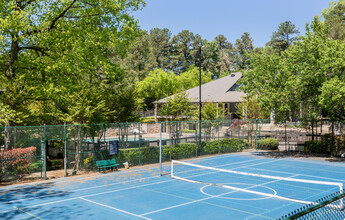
(177, 107)
(210, 58)
(137, 61)
(225, 53)
(190, 78)
(210, 111)
(332, 98)
(334, 17)
(157, 85)
(243, 47)
(53, 50)
(181, 50)
(283, 37)
(250, 109)
(160, 49)
(297, 83)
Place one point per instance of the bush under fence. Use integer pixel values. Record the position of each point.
(150, 154)
(328, 145)
(268, 144)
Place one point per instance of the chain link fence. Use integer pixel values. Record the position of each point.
(33, 152)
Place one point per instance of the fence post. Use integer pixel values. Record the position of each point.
(218, 137)
(285, 138)
(171, 140)
(256, 134)
(196, 139)
(44, 153)
(105, 143)
(65, 140)
(139, 146)
(160, 149)
(238, 133)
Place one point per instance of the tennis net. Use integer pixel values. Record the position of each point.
(285, 188)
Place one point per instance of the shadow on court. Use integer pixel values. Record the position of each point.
(13, 199)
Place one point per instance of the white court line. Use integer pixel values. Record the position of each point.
(232, 154)
(276, 171)
(58, 201)
(322, 162)
(77, 190)
(99, 186)
(215, 196)
(318, 166)
(116, 209)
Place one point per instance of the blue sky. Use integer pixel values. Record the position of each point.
(229, 17)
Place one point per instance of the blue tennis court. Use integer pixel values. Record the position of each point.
(141, 193)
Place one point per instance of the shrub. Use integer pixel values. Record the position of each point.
(148, 120)
(150, 154)
(316, 147)
(57, 164)
(188, 131)
(16, 162)
(329, 144)
(89, 163)
(268, 144)
(236, 124)
(335, 143)
(36, 166)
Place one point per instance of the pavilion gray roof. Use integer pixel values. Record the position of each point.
(215, 91)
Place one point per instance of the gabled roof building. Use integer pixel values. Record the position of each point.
(222, 90)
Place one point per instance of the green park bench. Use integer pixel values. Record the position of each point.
(104, 164)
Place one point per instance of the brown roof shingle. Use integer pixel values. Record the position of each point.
(215, 91)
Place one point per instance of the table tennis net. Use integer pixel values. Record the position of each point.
(289, 188)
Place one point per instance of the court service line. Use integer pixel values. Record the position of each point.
(215, 196)
(316, 162)
(58, 201)
(116, 209)
(276, 171)
(317, 167)
(99, 186)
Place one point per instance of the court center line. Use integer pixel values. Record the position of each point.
(116, 209)
(201, 200)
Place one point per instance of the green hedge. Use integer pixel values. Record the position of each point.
(150, 155)
(329, 144)
(316, 147)
(188, 131)
(268, 144)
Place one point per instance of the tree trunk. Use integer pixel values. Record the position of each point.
(10, 75)
(7, 136)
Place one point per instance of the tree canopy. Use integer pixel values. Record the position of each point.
(55, 58)
(87, 61)
(305, 80)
